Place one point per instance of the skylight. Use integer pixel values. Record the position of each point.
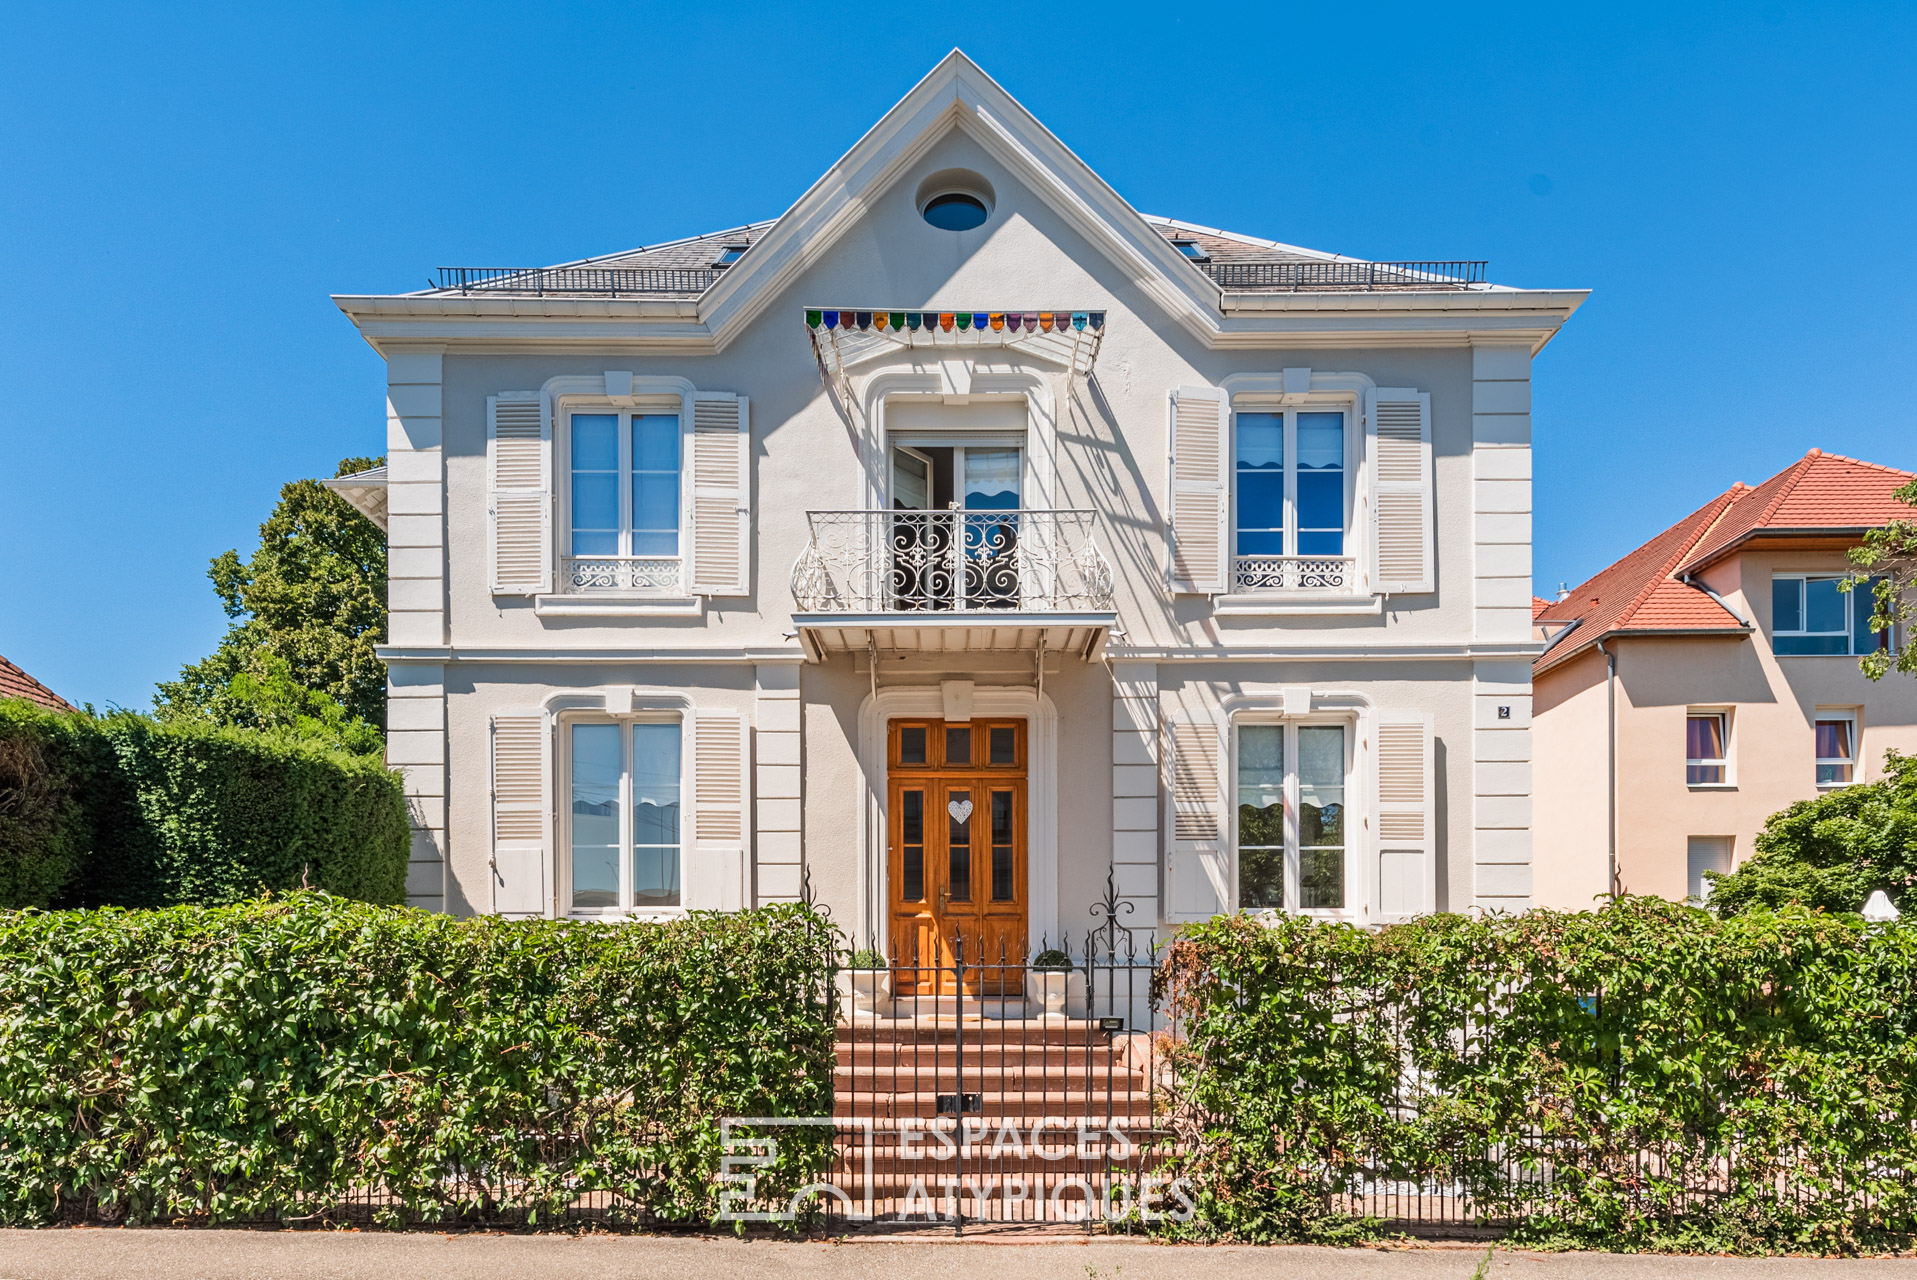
(730, 254)
(1191, 249)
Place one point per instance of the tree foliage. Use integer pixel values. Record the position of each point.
(309, 609)
(1889, 556)
(287, 1058)
(1833, 852)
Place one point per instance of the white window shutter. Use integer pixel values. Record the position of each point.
(1402, 513)
(1200, 542)
(1197, 861)
(1404, 816)
(519, 540)
(522, 815)
(721, 507)
(715, 878)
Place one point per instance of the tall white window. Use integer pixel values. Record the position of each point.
(1290, 470)
(1836, 748)
(1701, 854)
(1291, 817)
(625, 484)
(624, 816)
(1809, 615)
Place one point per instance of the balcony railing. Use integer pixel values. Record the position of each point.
(613, 281)
(957, 561)
(1456, 274)
(588, 575)
(1326, 574)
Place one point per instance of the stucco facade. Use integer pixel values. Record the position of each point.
(1770, 705)
(785, 703)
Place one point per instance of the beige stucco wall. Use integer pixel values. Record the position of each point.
(1773, 705)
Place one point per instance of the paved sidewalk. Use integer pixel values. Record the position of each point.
(249, 1255)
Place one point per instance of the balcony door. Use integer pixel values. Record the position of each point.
(957, 854)
(953, 541)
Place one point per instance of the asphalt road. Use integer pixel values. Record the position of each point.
(248, 1255)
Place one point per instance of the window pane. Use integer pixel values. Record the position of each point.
(958, 809)
(1704, 737)
(1268, 543)
(1823, 605)
(1863, 602)
(1004, 745)
(1321, 441)
(1810, 644)
(1321, 500)
(1705, 853)
(595, 815)
(912, 821)
(655, 442)
(1261, 440)
(655, 815)
(1261, 499)
(656, 543)
(1321, 816)
(1261, 816)
(1787, 607)
(1833, 739)
(991, 479)
(655, 500)
(595, 501)
(958, 744)
(1261, 879)
(1002, 888)
(1261, 764)
(595, 442)
(1321, 544)
(912, 744)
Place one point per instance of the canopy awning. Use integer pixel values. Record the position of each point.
(844, 336)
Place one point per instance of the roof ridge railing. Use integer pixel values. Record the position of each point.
(612, 281)
(1345, 274)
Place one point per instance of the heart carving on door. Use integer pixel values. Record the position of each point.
(959, 809)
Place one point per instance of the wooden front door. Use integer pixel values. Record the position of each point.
(956, 813)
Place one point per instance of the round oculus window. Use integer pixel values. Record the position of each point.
(956, 211)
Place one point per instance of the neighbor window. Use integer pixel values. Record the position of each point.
(625, 484)
(1291, 817)
(1290, 491)
(624, 817)
(1705, 853)
(1809, 615)
(1704, 740)
(729, 255)
(1191, 249)
(1836, 748)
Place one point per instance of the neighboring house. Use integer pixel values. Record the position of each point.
(15, 683)
(954, 545)
(1725, 656)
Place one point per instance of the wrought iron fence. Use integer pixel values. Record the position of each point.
(1318, 274)
(902, 561)
(1332, 574)
(607, 280)
(587, 575)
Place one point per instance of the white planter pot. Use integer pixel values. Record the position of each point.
(1049, 987)
(868, 988)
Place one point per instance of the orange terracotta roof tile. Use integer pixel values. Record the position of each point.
(15, 683)
(1644, 591)
(1538, 605)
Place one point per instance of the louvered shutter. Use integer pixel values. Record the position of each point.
(721, 491)
(519, 494)
(1197, 865)
(522, 816)
(1199, 539)
(1403, 538)
(1404, 816)
(715, 880)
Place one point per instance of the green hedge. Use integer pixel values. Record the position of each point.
(282, 1058)
(124, 811)
(1646, 1076)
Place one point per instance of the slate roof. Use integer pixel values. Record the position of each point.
(697, 254)
(1822, 494)
(15, 683)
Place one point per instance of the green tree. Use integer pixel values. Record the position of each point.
(309, 607)
(1834, 851)
(1889, 557)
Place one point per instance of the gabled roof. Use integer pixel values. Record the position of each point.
(1820, 496)
(1821, 492)
(15, 683)
(365, 490)
(705, 308)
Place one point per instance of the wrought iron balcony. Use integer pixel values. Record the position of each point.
(589, 575)
(882, 562)
(1329, 575)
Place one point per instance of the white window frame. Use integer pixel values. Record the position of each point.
(1846, 715)
(563, 840)
(625, 411)
(1289, 407)
(1723, 716)
(1354, 885)
(1858, 596)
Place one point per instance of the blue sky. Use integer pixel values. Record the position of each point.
(184, 187)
